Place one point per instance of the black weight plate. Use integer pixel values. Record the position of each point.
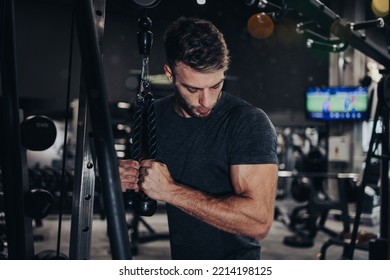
(38, 203)
(50, 255)
(38, 133)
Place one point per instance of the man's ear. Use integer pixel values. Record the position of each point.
(168, 72)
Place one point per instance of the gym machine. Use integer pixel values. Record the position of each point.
(349, 33)
(95, 151)
(87, 19)
(14, 172)
(377, 245)
(308, 219)
(345, 33)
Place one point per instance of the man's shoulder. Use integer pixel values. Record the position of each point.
(239, 108)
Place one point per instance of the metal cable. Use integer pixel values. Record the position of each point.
(64, 150)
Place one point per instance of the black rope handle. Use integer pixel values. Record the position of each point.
(137, 130)
(152, 124)
(144, 109)
(145, 113)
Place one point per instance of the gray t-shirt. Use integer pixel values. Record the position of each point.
(199, 153)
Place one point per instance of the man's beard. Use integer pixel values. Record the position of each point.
(190, 110)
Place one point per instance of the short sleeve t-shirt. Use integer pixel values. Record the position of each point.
(199, 153)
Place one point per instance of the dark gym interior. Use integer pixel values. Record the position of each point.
(333, 188)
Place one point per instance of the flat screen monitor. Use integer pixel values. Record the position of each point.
(338, 103)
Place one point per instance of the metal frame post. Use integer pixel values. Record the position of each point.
(102, 130)
(14, 167)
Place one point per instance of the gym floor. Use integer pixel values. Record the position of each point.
(272, 246)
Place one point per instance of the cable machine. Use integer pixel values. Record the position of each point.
(95, 151)
(95, 106)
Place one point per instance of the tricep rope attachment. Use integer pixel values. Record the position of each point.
(144, 123)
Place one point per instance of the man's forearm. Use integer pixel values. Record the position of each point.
(237, 214)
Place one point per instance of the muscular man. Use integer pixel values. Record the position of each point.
(217, 166)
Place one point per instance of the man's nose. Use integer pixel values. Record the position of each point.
(205, 98)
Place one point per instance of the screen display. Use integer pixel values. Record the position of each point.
(337, 103)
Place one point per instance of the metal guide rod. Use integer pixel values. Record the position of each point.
(84, 176)
(102, 130)
(14, 162)
(84, 187)
(100, 16)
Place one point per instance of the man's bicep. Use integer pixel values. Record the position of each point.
(254, 179)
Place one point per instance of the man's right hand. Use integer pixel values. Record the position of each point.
(129, 172)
